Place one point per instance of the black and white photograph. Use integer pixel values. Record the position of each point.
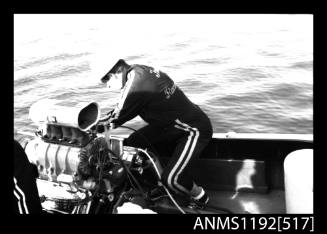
(164, 114)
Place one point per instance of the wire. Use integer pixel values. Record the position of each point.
(173, 200)
(154, 165)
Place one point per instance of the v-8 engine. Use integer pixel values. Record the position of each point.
(73, 161)
(68, 170)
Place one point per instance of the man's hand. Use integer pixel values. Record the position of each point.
(106, 121)
(108, 116)
(111, 113)
(100, 128)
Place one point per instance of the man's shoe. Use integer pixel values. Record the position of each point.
(199, 202)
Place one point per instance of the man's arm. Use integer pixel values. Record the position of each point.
(137, 93)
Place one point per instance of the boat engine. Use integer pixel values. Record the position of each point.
(68, 172)
(73, 161)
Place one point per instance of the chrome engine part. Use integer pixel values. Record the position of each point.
(54, 161)
(59, 183)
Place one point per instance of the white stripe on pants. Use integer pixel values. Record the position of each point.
(20, 194)
(184, 158)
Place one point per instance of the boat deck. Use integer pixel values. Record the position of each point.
(236, 202)
(248, 202)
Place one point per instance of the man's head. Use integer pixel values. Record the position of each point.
(114, 78)
(108, 67)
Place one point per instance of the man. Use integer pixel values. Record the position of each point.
(171, 117)
(26, 197)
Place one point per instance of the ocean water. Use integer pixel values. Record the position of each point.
(249, 73)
